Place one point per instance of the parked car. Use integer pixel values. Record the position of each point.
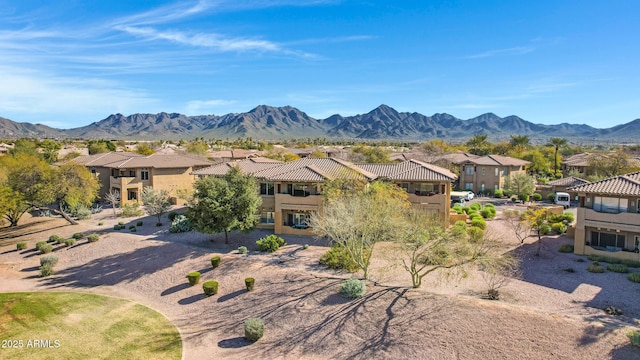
(470, 195)
(563, 199)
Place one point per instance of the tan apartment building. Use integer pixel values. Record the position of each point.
(608, 219)
(484, 173)
(580, 163)
(129, 173)
(292, 191)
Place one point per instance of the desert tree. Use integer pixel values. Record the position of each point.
(156, 202)
(113, 197)
(358, 221)
(425, 246)
(557, 143)
(519, 184)
(225, 204)
(74, 186)
(516, 223)
(478, 144)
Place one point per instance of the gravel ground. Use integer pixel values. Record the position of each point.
(548, 313)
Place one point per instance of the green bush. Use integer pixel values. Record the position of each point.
(498, 193)
(634, 276)
(21, 245)
(215, 261)
(83, 213)
(242, 249)
(353, 289)
(634, 336)
(270, 243)
(566, 248)
(194, 277)
(489, 205)
(507, 193)
(49, 259)
(180, 224)
(40, 244)
(619, 268)
(559, 228)
(55, 239)
(131, 210)
(631, 263)
(69, 242)
(172, 215)
(46, 248)
(46, 270)
(78, 236)
(338, 258)
(459, 228)
(475, 233)
(466, 209)
(305, 246)
(479, 223)
(249, 282)
(116, 227)
(523, 197)
(139, 223)
(253, 329)
(595, 268)
(100, 223)
(536, 197)
(457, 208)
(210, 287)
(551, 197)
(93, 237)
(121, 223)
(475, 206)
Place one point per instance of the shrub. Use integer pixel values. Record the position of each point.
(479, 223)
(523, 197)
(249, 282)
(619, 268)
(83, 213)
(242, 249)
(131, 210)
(21, 245)
(215, 261)
(498, 193)
(594, 268)
(338, 258)
(559, 228)
(40, 244)
(551, 197)
(172, 215)
(100, 223)
(77, 236)
(566, 248)
(475, 233)
(46, 248)
(49, 259)
(459, 228)
(253, 329)
(475, 206)
(179, 224)
(536, 197)
(457, 208)
(93, 237)
(133, 229)
(121, 223)
(631, 263)
(210, 287)
(465, 209)
(305, 246)
(486, 213)
(139, 223)
(353, 289)
(507, 193)
(69, 242)
(634, 276)
(46, 270)
(118, 227)
(634, 336)
(194, 277)
(270, 243)
(489, 205)
(158, 224)
(55, 239)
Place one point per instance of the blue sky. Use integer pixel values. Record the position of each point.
(69, 63)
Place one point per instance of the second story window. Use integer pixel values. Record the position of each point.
(266, 188)
(483, 172)
(468, 170)
(144, 174)
(405, 186)
(610, 205)
(132, 173)
(496, 171)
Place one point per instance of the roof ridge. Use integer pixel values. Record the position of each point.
(319, 171)
(630, 179)
(369, 175)
(435, 168)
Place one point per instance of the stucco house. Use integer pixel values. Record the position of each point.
(484, 173)
(608, 219)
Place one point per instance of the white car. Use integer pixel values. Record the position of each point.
(469, 195)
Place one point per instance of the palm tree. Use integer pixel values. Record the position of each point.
(557, 143)
(478, 144)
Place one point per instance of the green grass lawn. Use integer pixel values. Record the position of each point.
(51, 325)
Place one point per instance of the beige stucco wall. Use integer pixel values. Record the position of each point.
(489, 179)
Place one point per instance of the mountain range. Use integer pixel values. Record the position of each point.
(267, 122)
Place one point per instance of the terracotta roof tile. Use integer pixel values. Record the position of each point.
(568, 181)
(623, 185)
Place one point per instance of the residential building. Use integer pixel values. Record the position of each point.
(292, 191)
(561, 185)
(580, 163)
(608, 218)
(129, 173)
(484, 173)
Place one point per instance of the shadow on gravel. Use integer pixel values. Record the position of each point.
(175, 289)
(231, 296)
(234, 343)
(192, 299)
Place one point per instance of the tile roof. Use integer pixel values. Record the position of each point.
(310, 169)
(120, 160)
(582, 159)
(248, 166)
(568, 181)
(410, 170)
(628, 184)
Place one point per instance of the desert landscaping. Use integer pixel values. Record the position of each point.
(554, 310)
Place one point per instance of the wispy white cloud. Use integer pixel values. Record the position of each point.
(200, 107)
(518, 50)
(329, 40)
(164, 14)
